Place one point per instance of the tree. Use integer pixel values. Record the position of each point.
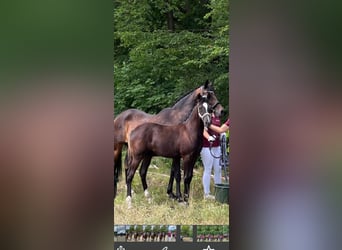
(139, 228)
(186, 230)
(130, 229)
(148, 229)
(225, 229)
(163, 229)
(165, 48)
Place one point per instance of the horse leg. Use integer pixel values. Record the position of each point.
(126, 172)
(172, 177)
(129, 178)
(132, 167)
(143, 172)
(189, 162)
(178, 177)
(169, 187)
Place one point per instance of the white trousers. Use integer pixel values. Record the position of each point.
(209, 162)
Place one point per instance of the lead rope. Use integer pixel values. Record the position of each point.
(210, 147)
(224, 161)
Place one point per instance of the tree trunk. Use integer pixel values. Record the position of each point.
(170, 19)
(187, 6)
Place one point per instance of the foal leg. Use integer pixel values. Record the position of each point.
(132, 167)
(169, 187)
(189, 163)
(175, 161)
(178, 177)
(143, 172)
(126, 172)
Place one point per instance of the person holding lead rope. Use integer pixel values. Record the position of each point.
(223, 129)
(211, 147)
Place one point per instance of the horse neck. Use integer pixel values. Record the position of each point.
(187, 103)
(194, 122)
(180, 111)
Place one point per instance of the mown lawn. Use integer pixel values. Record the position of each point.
(162, 210)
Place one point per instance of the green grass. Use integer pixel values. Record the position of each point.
(162, 210)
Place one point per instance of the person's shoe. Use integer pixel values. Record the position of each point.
(209, 197)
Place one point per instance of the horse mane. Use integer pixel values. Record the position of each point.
(185, 102)
(182, 102)
(183, 98)
(190, 113)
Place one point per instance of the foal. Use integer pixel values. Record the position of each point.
(173, 141)
(128, 120)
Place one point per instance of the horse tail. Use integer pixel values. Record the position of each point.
(119, 167)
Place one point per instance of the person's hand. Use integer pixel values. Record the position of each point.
(211, 138)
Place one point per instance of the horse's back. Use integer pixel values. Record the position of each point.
(151, 130)
(157, 139)
(127, 121)
(130, 114)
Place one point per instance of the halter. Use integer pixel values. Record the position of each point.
(204, 95)
(214, 106)
(206, 113)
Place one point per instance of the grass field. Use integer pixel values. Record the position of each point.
(162, 210)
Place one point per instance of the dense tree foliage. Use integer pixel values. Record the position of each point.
(163, 229)
(210, 229)
(148, 229)
(165, 48)
(187, 231)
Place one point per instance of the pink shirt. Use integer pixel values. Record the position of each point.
(227, 122)
(206, 144)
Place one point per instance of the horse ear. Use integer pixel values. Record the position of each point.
(199, 97)
(206, 84)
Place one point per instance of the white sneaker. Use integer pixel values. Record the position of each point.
(209, 197)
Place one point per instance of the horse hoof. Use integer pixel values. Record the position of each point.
(186, 198)
(147, 194)
(172, 196)
(183, 204)
(149, 200)
(179, 199)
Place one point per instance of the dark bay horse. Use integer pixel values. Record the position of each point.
(125, 122)
(172, 141)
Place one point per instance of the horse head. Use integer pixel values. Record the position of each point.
(204, 111)
(208, 92)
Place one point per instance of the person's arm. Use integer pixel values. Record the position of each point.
(207, 136)
(224, 128)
